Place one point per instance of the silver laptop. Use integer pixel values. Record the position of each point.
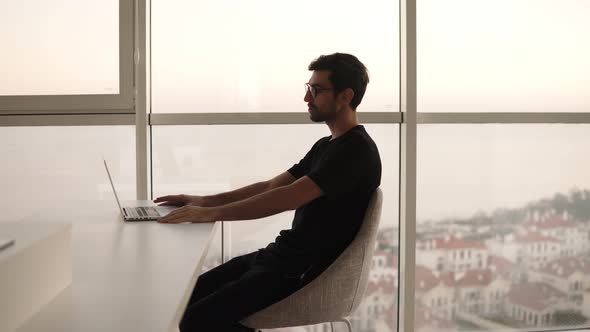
(139, 213)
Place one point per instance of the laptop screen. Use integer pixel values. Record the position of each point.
(113, 186)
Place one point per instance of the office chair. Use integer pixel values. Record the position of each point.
(335, 293)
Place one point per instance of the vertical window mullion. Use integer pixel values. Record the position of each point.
(408, 142)
(140, 99)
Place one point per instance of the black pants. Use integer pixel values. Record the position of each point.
(231, 292)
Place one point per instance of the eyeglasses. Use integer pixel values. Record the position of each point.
(314, 90)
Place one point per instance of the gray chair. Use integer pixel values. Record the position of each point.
(336, 292)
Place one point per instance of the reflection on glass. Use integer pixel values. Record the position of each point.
(228, 56)
(210, 159)
(503, 232)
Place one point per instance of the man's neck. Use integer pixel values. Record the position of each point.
(341, 125)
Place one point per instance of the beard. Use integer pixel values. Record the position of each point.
(317, 116)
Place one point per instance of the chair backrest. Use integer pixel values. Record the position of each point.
(337, 291)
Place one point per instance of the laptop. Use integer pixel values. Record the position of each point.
(139, 213)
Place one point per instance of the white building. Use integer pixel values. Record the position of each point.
(572, 236)
(435, 292)
(462, 255)
(452, 254)
(570, 275)
(379, 298)
(534, 303)
(535, 249)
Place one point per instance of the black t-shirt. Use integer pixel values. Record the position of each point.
(348, 170)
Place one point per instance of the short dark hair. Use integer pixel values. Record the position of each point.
(346, 72)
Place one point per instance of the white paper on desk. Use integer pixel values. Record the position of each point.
(5, 243)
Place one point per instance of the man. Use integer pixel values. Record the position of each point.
(329, 188)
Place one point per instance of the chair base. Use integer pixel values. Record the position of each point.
(343, 320)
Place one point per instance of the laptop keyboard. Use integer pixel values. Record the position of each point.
(143, 212)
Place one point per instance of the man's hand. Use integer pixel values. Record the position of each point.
(180, 200)
(189, 213)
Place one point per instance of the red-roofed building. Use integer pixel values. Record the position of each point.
(379, 298)
(570, 275)
(534, 237)
(436, 292)
(534, 303)
(481, 292)
(451, 254)
(425, 321)
(502, 267)
(536, 249)
(477, 292)
(381, 293)
(425, 280)
(529, 250)
(470, 286)
(571, 234)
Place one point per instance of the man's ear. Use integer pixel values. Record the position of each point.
(346, 96)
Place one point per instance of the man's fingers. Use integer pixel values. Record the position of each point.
(173, 219)
(175, 212)
(169, 200)
(167, 203)
(164, 198)
(174, 200)
(174, 216)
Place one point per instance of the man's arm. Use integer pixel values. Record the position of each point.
(254, 189)
(267, 203)
(280, 180)
(271, 202)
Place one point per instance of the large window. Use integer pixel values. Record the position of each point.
(502, 226)
(66, 57)
(493, 196)
(501, 217)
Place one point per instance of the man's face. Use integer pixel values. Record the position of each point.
(324, 106)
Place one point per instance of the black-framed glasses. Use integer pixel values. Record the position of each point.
(314, 90)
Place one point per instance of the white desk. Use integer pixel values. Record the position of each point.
(126, 276)
(39, 249)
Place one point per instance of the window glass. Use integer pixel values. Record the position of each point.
(502, 226)
(211, 159)
(59, 47)
(228, 56)
(503, 56)
(47, 170)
